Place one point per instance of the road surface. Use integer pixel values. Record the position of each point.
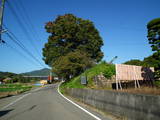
(42, 104)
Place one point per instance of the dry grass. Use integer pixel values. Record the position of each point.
(142, 90)
(7, 94)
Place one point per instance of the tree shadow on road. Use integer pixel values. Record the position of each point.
(21, 112)
(4, 112)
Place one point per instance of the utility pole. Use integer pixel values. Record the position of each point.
(1, 19)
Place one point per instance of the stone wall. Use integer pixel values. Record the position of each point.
(131, 106)
(101, 81)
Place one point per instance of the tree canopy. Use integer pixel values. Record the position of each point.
(150, 61)
(134, 62)
(72, 64)
(154, 34)
(154, 39)
(71, 35)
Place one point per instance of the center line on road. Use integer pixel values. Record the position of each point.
(19, 99)
(15, 101)
(97, 118)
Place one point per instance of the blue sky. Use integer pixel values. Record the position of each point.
(121, 23)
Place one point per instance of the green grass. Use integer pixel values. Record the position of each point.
(14, 87)
(106, 69)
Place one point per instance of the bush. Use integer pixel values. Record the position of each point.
(157, 83)
(9, 81)
(109, 71)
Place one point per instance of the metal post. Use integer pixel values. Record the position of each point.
(50, 76)
(1, 19)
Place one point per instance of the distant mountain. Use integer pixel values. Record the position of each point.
(42, 72)
(6, 74)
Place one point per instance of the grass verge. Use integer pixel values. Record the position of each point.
(107, 70)
(13, 89)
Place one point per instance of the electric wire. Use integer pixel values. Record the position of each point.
(24, 29)
(17, 42)
(29, 19)
(26, 18)
(21, 54)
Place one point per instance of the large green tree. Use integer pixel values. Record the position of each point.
(70, 34)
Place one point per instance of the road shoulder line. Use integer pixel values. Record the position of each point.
(97, 118)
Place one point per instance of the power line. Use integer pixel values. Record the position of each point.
(24, 49)
(17, 42)
(25, 31)
(26, 18)
(17, 51)
(15, 37)
(29, 19)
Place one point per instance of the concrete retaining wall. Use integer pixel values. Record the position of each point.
(132, 106)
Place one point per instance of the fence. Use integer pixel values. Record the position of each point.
(133, 73)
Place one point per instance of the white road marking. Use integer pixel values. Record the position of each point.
(97, 118)
(37, 89)
(20, 98)
(15, 101)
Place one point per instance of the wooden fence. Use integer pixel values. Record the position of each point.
(126, 73)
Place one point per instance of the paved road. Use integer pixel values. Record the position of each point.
(42, 104)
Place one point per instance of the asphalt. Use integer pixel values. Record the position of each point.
(42, 104)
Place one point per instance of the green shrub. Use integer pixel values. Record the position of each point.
(109, 71)
(9, 81)
(157, 83)
(14, 87)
